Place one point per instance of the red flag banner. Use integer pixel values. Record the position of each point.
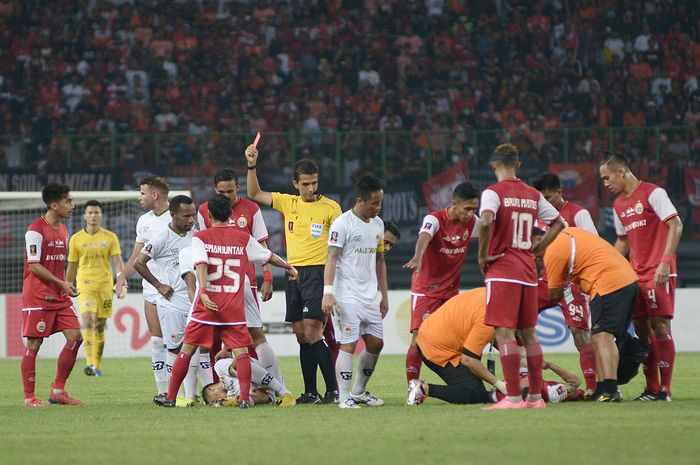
(438, 189)
(692, 189)
(579, 182)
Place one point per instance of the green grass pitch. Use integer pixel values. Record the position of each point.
(118, 424)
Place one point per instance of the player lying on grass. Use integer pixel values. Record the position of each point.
(264, 387)
(553, 391)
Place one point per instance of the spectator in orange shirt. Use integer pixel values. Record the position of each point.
(608, 279)
(450, 343)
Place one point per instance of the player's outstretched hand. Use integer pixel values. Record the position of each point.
(69, 289)
(208, 303)
(293, 274)
(329, 304)
(484, 262)
(251, 155)
(662, 273)
(165, 290)
(413, 264)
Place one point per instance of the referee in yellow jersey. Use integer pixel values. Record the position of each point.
(307, 219)
(90, 251)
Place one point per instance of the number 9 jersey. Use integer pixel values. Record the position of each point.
(227, 251)
(515, 207)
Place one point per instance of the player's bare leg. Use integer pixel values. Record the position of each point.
(582, 341)
(65, 364)
(100, 325)
(28, 370)
(642, 328)
(413, 361)
(158, 351)
(366, 363)
(608, 359)
(666, 354)
(89, 338)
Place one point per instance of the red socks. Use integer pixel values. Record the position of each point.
(66, 361)
(244, 370)
(180, 368)
(587, 361)
(650, 366)
(666, 356)
(510, 363)
(535, 361)
(28, 369)
(413, 364)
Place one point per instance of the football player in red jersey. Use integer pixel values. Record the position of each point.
(443, 242)
(46, 296)
(508, 212)
(649, 229)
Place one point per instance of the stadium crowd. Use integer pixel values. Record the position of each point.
(523, 69)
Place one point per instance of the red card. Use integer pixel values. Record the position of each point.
(255, 142)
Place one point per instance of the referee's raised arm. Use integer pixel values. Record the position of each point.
(253, 187)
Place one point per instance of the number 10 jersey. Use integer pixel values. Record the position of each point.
(515, 206)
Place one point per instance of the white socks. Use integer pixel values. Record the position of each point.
(190, 382)
(343, 374)
(259, 375)
(205, 372)
(365, 367)
(158, 364)
(266, 357)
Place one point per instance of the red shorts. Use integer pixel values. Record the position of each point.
(510, 305)
(656, 300)
(43, 323)
(421, 308)
(203, 335)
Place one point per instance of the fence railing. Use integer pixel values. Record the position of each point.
(405, 154)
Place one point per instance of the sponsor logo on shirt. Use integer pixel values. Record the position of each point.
(454, 251)
(454, 239)
(103, 244)
(635, 225)
(59, 244)
(59, 257)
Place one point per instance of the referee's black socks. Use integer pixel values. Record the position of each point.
(307, 358)
(325, 362)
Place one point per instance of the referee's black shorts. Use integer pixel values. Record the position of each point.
(304, 295)
(612, 313)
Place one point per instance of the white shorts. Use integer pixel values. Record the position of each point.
(150, 294)
(252, 308)
(172, 324)
(353, 321)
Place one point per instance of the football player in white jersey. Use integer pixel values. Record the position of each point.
(153, 197)
(173, 299)
(355, 269)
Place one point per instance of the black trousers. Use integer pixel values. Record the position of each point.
(462, 386)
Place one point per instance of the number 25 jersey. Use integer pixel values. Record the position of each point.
(515, 206)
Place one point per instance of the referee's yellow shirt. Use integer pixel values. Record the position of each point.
(306, 226)
(92, 253)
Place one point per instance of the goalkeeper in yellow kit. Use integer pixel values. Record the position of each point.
(90, 252)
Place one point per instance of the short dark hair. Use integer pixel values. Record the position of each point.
(304, 166)
(94, 203)
(546, 182)
(179, 200)
(466, 191)
(392, 228)
(226, 174)
(366, 185)
(156, 182)
(204, 393)
(220, 207)
(614, 160)
(54, 192)
(505, 154)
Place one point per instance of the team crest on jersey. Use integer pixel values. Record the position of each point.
(242, 222)
(103, 244)
(290, 226)
(41, 326)
(334, 237)
(316, 230)
(32, 250)
(357, 238)
(638, 208)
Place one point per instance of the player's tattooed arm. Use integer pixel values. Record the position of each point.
(329, 304)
